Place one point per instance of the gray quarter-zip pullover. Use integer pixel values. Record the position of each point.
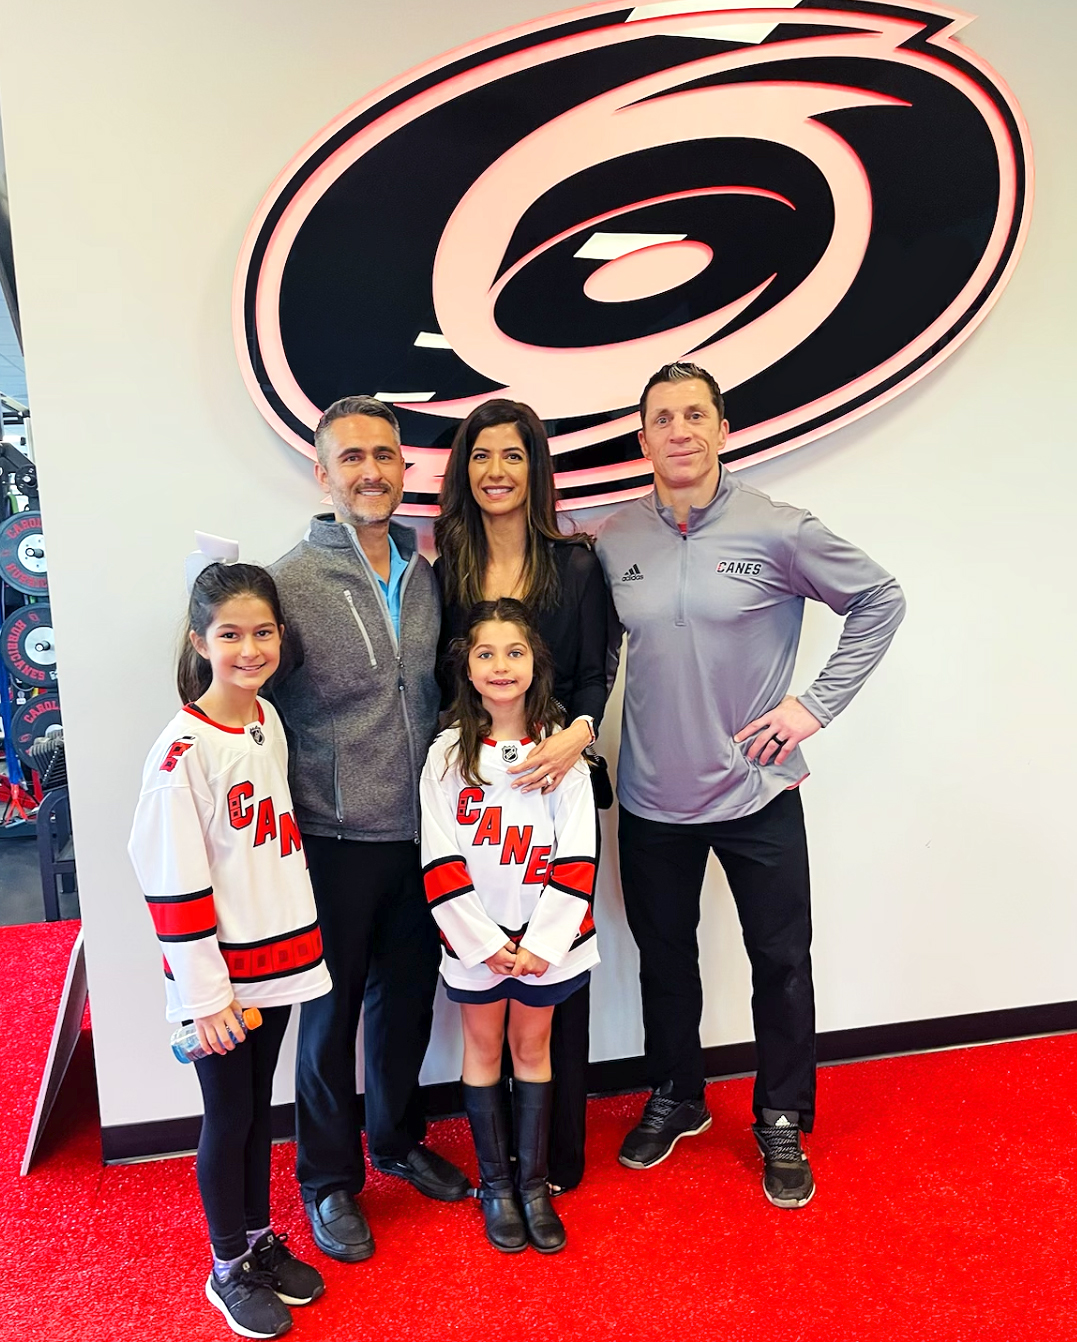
(713, 618)
(360, 707)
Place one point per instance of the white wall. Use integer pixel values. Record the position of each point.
(139, 142)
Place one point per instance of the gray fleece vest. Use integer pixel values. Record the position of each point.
(360, 708)
(713, 619)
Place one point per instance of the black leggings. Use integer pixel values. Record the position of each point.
(234, 1148)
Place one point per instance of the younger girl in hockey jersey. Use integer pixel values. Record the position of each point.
(509, 877)
(221, 863)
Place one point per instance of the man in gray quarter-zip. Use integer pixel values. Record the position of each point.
(709, 578)
(360, 706)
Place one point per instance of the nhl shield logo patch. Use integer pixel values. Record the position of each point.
(510, 752)
(257, 735)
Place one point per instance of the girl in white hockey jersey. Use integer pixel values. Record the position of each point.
(509, 877)
(220, 860)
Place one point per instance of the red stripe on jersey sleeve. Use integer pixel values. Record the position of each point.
(446, 877)
(574, 874)
(183, 919)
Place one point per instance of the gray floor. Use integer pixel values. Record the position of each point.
(20, 885)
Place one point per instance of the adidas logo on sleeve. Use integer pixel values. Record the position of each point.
(633, 574)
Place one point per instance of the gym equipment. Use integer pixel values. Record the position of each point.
(22, 554)
(27, 647)
(32, 725)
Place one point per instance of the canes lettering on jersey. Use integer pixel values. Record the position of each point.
(501, 865)
(220, 860)
(268, 825)
(515, 843)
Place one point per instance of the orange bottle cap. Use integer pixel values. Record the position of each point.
(252, 1018)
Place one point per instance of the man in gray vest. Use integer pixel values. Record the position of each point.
(709, 578)
(360, 704)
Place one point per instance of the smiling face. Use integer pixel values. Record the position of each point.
(364, 470)
(500, 663)
(241, 644)
(498, 470)
(682, 434)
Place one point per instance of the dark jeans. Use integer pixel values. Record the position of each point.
(765, 858)
(382, 950)
(236, 1140)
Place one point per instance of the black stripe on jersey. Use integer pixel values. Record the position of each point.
(268, 941)
(569, 890)
(441, 899)
(586, 936)
(448, 949)
(179, 899)
(188, 936)
(514, 936)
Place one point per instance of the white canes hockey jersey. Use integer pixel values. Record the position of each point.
(502, 865)
(218, 854)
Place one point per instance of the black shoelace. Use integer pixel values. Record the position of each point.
(655, 1112)
(783, 1144)
(274, 1253)
(248, 1281)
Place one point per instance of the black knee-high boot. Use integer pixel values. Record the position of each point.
(485, 1109)
(531, 1101)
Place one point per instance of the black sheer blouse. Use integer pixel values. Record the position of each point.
(576, 631)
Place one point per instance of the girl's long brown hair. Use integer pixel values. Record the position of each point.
(459, 533)
(216, 584)
(542, 712)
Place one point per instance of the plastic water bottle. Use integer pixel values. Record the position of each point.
(188, 1047)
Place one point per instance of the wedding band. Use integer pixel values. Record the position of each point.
(549, 781)
(781, 740)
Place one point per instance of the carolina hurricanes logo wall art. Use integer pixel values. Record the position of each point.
(817, 202)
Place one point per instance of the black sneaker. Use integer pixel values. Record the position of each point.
(296, 1283)
(787, 1176)
(665, 1121)
(247, 1300)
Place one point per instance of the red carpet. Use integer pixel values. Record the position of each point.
(945, 1211)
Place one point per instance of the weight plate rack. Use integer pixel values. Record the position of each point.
(22, 554)
(33, 730)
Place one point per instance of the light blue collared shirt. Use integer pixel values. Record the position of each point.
(391, 590)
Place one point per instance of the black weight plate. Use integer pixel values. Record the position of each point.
(22, 554)
(31, 722)
(27, 647)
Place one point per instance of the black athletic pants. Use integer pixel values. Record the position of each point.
(765, 858)
(234, 1147)
(382, 950)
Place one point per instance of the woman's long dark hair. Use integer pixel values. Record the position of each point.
(542, 712)
(216, 584)
(459, 533)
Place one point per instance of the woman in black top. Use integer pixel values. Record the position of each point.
(497, 536)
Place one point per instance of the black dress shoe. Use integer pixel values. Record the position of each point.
(339, 1227)
(430, 1173)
